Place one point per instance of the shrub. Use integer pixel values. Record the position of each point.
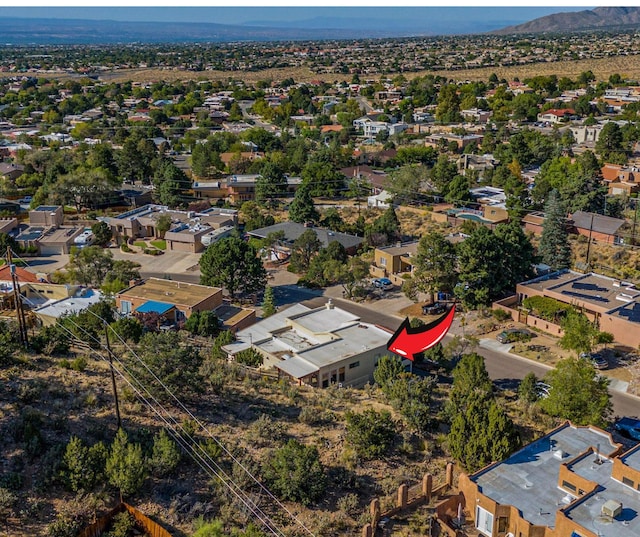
(349, 504)
(250, 357)
(264, 431)
(295, 473)
(122, 525)
(370, 433)
(501, 315)
(165, 456)
(79, 364)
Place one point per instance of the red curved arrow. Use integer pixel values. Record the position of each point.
(409, 341)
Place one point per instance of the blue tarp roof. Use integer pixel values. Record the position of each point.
(153, 306)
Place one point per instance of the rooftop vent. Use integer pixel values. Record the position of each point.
(611, 508)
(558, 454)
(329, 304)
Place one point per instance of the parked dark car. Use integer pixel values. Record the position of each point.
(383, 283)
(434, 309)
(513, 334)
(598, 361)
(628, 427)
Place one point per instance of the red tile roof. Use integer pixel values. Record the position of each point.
(24, 276)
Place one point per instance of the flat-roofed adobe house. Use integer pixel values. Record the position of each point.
(572, 482)
(394, 261)
(320, 347)
(173, 299)
(614, 305)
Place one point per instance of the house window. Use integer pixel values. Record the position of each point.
(628, 482)
(353, 365)
(484, 521)
(125, 307)
(569, 486)
(503, 524)
(341, 374)
(383, 262)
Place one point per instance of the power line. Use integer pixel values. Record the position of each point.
(201, 457)
(204, 428)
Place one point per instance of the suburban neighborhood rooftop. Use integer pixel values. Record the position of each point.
(158, 290)
(528, 479)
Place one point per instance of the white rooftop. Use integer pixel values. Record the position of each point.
(81, 301)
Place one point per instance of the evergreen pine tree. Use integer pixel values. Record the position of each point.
(554, 249)
(268, 303)
(302, 208)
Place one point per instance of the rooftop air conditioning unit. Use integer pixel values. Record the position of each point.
(611, 508)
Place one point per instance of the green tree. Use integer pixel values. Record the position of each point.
(125, 466)
(102, 233)
(580, 334)
(370, 433)
(388, 225)
(295, 473)
(271, 184)
(304, 248)
(302, 208)
(234, 264)
(554, 249)
(443, 172)
(387, 372)
(480, 265)
(121, 274)
(89, 265)
(405, 183)
(577, 393)
(322, 178)
(203, 323)
(84, 465)
(470, 380)
(163, 224)
(481, 433)
(171, 184)
(610, 141)
(457, 191)
(165, 455)
(128, 328)
(527, 388)
(518, 254)
(448, 109)
(435, 264)
(250, 357)
(175, 364)
(268, 302)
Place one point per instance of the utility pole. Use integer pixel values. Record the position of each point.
(22, 324)
(113, 377)
(589, 243)
(635, 220)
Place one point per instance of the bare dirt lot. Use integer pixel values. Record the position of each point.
(627, 66)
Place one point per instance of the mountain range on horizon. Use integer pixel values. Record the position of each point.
(372, 24)
(600, 18)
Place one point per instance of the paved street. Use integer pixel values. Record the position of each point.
(505, 369)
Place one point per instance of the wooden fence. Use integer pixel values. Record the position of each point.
(151, 528)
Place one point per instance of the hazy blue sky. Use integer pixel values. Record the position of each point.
(404, 16)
